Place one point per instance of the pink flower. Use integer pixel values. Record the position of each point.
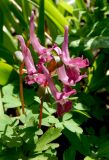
(43, 52)
(36, 78)
(69, 73)
(28, 60)
(33, 76)
(62, 75)
(72, 62)
(68, 70)
(60, 97)
(66, 107)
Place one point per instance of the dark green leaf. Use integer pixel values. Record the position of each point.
(70, 153)
(98, 42)
(40, 31)
(104, 150)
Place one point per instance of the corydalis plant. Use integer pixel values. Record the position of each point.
(68, 72)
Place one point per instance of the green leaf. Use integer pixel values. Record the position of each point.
(4, 120)
(47, 109)
(52, 120)
(79, 142)
(7, 73)
(80, 106)
(72, 126)
(59, 125)
(11, 96)
(67, 116)
(9, 18)
(103, 31)
(29, 101)
(75, 43)
(97, 78)
(1, 104)
(10, 138)
(89, 158)
(102, 83)
(82, 7)
(59, 39)
(50, 146)
(83, 113)
(103, 151)
(6, 55)
(18, 14)
(69, 154)
(40, 157)
(9, 154)
(1, 25)
(81, 4)
(53, 14)
(87, 99)
(9, 42)
(66, 6)
(50, 135)
(98, 42)
(40, 32)
(44, 157)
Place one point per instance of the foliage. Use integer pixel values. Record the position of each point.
(81, 133)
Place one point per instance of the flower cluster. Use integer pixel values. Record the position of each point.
(68, 70)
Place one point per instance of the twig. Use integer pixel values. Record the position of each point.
(40, 114)
(21, 87)
(21, 82)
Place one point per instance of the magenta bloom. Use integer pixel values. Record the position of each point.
(34, 40)
(68, 70)
(28, 60)
(33, 76)
(63, 108)
(64, 77)
(63, 104)
(78, 62)
(70, 73)
(44, 53)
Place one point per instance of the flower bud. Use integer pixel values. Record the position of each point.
(19, 56)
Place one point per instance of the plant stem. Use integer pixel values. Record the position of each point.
(40, 114)
(21, 82)
(21, 87)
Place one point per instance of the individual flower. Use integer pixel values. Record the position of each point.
(63, 108)
(27, 56)
(44, 53)
(61, 98)
(62, 75)
(32, 75)
(79, 61)
(69, 73)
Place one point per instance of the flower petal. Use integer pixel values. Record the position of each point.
(61, 109)
(28, 60)
(65, 51)
(73, 73)
(34, 40)
(59, 96)
(53, 89)
(62, 75)
(36, 78)
(79, 61)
